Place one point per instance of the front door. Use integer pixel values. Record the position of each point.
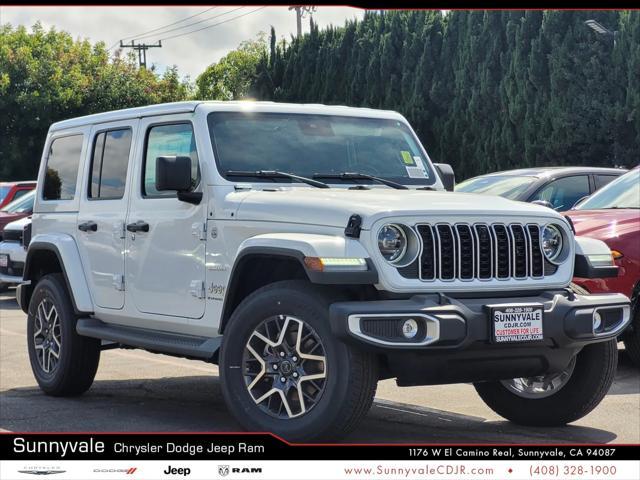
(103, 209)
(165, 249)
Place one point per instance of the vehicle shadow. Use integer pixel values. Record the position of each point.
(8, 301)
(195, 403)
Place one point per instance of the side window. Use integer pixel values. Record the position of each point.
(109, 163)
(62, 168)
(168, 140)
(602, 180)
(564, 192)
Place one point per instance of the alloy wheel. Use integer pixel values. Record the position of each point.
(47, 337)
(285, 367)
(541, 386)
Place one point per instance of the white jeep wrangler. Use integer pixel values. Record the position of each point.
(309, 251)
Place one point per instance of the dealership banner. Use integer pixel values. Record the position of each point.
(247, 456)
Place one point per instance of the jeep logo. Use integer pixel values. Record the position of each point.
(177, 471)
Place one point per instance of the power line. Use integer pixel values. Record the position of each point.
(210, 26)
(161, 28)
(190, 24)
(169, 24)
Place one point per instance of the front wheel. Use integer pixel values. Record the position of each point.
(63, 362)
(558, 398)
(283, 371)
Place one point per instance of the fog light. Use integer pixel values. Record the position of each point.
(410, 328)
(597, 321)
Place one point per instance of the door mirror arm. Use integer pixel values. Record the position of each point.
(193, 198)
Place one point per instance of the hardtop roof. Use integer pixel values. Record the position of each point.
(240, 106)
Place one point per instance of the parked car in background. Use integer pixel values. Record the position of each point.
(10, 191)
(613, 216)
(559, 188)
(13, 253)
(20, 208)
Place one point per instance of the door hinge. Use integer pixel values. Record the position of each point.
(118, 282)
(199, 230)
(197, 289)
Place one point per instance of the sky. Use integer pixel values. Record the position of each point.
(191, 53)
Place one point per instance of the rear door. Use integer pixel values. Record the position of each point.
(103, 210)
(166, 243)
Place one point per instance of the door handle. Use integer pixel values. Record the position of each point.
(89, 226)
(139, 226)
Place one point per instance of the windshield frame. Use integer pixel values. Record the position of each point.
(433, 179)
(604, 190)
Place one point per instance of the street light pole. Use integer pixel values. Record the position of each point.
(601, 29)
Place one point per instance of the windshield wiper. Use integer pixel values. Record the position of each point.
(276, 174)
(361, 176)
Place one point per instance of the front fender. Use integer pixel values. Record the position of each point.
(66, 250)
(301, 245)
(593, 259)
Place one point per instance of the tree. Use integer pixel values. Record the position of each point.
(233, 76)
(46, 76)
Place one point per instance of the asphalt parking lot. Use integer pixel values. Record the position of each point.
(143, 392)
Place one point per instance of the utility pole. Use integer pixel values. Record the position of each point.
(142, 50)
(300, 13)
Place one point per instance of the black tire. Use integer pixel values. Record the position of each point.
(591, 379)
(76, 367)
(351, 375)
(631, 338)
(3, 287)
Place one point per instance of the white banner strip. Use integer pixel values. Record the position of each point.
(318, 470)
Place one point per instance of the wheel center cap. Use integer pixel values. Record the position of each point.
(286, 368)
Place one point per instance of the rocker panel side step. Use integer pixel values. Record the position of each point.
(163, 342)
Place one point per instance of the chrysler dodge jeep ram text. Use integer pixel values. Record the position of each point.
(309, 251)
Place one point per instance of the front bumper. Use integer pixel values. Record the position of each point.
(454, 341)
(12, 273)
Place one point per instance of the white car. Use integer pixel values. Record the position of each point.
(309, 251)
(13, 253)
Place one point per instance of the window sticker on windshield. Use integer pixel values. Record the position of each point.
(419, 164)
(407, 158)
(416, 172)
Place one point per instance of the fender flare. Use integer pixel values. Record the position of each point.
(298, 246)
(66, 250)
(586, 247)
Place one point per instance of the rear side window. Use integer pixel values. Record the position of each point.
(602, 180)
(109, 163)
(62, 168)
(168, 140)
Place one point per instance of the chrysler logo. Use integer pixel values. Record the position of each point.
(41, 472)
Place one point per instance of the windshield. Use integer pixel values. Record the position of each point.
(3, 192)
(623, 192)
(304, 144)
(24, 204)
(506, 186)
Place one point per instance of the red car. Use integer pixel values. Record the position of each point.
(613, 216)
(22, 207)
(10, 191)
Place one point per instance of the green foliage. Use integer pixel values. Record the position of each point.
(46, 76)
(232, 77)
(484, 90)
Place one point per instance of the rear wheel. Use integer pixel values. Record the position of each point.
(557, 398)
(63, 362)
(283, 371)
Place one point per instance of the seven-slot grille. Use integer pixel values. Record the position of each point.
(480, 251)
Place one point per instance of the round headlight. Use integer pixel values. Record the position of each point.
(392, 243)
(551, 242)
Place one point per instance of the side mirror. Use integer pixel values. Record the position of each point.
(174, 174)
(445, 172)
